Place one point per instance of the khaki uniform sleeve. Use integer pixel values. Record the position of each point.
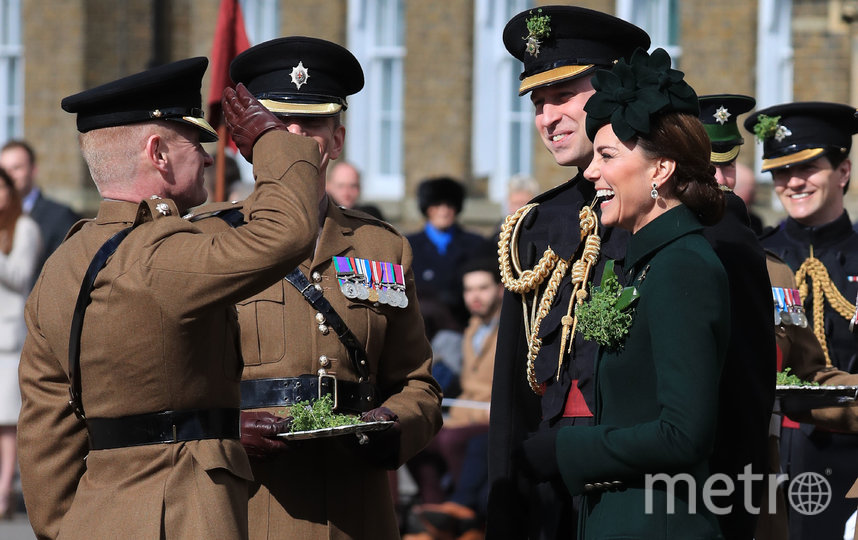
(405, 372)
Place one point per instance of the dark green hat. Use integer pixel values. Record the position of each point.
(559, 43)
(630, 94)
(168, 92)
(795, 133)
(299, 76)
(719, 114)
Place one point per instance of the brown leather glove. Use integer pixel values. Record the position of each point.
(247, 119)
(380, 448)
(259, 433)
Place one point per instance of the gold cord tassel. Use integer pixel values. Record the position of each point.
(823, 289)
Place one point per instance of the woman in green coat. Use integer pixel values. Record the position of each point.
(643, 466)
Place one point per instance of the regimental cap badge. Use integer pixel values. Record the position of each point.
(538, 29)
(300, 74)
(768, 127)
(722, 115)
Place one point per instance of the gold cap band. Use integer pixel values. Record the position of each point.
(724, 157)
(201, 123)
(792, 159)
(309, 109)
(551, 76)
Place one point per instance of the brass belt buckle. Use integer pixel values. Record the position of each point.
(334, 383)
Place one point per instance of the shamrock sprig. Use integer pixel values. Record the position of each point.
(607, 316)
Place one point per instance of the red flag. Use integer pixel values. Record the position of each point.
(230, 39)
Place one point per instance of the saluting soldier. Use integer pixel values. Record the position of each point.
(543, 375)
(133, 316)
(806, 147)
(747, 391)
(344, 324)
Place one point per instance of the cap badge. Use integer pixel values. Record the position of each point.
(768, 127)
(721, 115)
(300, 75)
(163, 209)
(538, 28)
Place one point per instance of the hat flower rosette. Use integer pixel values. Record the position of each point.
(630, 94)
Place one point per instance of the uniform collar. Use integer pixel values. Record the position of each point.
(661, 231)
(831, 232)
(335, 237)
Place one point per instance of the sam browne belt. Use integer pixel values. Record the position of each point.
(162, 428)
(347, 396)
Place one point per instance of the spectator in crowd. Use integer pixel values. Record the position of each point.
(148, 446)
(443, 457)
(20, 249)
(519, 191)
(55, 219)
(443, 245)
(806, 148)
(343, 186)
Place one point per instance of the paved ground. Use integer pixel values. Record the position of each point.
(18, 528)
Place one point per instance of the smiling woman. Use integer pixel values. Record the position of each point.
(657, 387)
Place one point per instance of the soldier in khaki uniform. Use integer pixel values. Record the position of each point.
(149, 445)
(334, 487)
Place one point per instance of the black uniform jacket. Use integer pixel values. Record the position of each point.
(516, 410)
(747, 390)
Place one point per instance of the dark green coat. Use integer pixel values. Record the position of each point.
(657, 397)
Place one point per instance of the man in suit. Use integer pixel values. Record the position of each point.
(55, 219)
(345, 323)
(343, 186)
(134, 316)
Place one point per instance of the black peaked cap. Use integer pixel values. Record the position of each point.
(579, 40)
(167, 92)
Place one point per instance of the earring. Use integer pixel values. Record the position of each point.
(654, 192)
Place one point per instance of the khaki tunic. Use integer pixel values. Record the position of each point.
(476, 376)
(320, 488)
(160, 334)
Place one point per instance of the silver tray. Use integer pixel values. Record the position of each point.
(812, 397)
(363, 427)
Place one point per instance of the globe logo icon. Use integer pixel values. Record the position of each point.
(809, 493)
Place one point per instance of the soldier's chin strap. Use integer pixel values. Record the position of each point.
(83, 300)
(357, 354)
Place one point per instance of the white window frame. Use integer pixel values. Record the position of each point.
(500, 116)
(261, 20)
(774, 64)
(376, 36)
(654, 17)
(11, 71)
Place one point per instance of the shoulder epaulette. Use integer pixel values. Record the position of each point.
(363, 216)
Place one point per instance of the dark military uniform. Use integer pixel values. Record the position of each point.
(747, 390)
(805, 447)
(517, 508)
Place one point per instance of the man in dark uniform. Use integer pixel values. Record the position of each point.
(560, 47)
(148, 446)
(361, 341)
(806, 147)
(747, 391)
(443, 246)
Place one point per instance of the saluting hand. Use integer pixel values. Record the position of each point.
(247, 119)
(259, 433)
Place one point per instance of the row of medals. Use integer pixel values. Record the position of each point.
(392, 296)
(793, 317)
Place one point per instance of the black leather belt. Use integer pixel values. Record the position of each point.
(162, 427)
(346, 395)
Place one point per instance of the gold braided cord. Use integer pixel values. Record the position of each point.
(823, 289)
(528, 280)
